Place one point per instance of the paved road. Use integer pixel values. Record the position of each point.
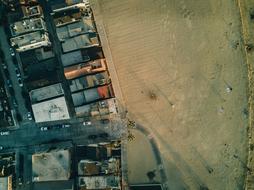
(11, 68)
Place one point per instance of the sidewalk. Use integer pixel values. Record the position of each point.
(248, 40)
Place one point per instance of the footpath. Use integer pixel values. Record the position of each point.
(246, 8)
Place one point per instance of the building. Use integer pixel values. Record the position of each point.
(92, 95)
(74, 57)
(30, 41)
(89, 81)
(51, 166)
(83, 26)
(6, 183)
(99, 182)
(146, 187)
(46, 93)
(100, 108)
(49, 104)
(27, 26)
(82, 69)
(79, 42)
(69, 16)
(61, 5)
(31, 11)
(53, 185)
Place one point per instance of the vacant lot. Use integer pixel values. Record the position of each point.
(183, 76)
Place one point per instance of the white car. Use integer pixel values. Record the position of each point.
(20, 82)
(4, 133)
(87, 123)
(12, 52)
(29, 116)
(44, 128)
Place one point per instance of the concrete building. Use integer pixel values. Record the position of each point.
(68, 16)
(81, 41)
(61, 5)
(85, 25)
(31, 11)
(74, 57)
(51, 110)
(85, 69)
(27, 26)
(6, 183)
(99, 182)
(51, 166)
(30, 41)
(46, 93)
(89, 81)
(92, 95)
(100, 108)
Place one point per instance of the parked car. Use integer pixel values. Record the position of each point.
(1, 147)
(44, 128)
(20, 82)
(85, 123)
(29, 116)
(65, 125)
(9, 83)
(4, 133)
(17, 72)
(12, 52)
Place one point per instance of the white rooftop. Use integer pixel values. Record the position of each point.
(51, 166)
(51, 110)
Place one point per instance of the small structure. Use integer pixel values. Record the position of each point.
(99, 182)
(31, 11)
(51, 166)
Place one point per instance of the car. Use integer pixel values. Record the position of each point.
(4, 133)
(92, 136)
(4, 66)
(15, 104)
(44, 128)
(17, 72)
(9, 83)
(12, 52)
(87, 123)
(20, 82)
(29, 116)
(1, 147)
(65, 125)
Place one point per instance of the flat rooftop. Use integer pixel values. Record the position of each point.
(46, 92)
(74, 57)
(51, 110)
(81, 41)
(51, 166)
(99, 182)
(4, 183)
(89, 81)
(29, 39)
(27, 25)
(31, 11)
(85, 25)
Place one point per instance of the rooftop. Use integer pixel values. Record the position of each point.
(59, 5)
(30, 41)
(99, 182)
(27, 25)
(89, 81)
(31, 11)
(92, 94)
(91, 67)
(87, 167)
(46, 92)
(74, 57)
(83, 26)
(51, 110)
(4, 183)
(54, 185)
(51, 166)
(81, 41)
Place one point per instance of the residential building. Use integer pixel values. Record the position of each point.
(27, 26)
(6, 183)
(51, 166)
(30, 41)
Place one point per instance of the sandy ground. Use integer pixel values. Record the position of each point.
(141, 160)
(174, 60)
